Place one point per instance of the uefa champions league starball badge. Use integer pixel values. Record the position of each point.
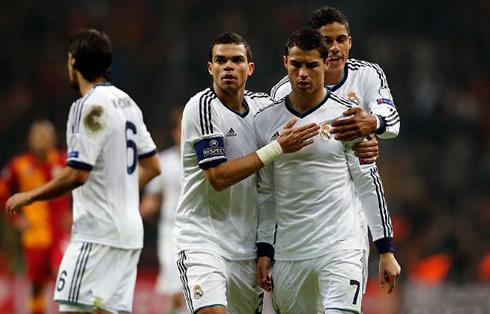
(325, 132)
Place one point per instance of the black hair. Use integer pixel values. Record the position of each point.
(230, 38)
(307, 39)
(327, 15)
(92, 52)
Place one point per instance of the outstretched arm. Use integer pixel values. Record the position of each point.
(69, 179)
(291, 140)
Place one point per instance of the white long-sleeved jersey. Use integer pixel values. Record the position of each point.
(365, 84)
(313, 191)
(222, 222)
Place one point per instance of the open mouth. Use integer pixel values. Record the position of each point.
(228, 77)
(303, 83)
(335, 59)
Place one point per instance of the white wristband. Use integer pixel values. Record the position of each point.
(270, 152)
(378, 123)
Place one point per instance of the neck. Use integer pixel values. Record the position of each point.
(233, 100)
(333, 77)
(85, 86)
(302, 102)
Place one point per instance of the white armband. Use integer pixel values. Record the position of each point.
(270, 152)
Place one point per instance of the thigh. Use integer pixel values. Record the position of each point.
(244, 295)
(340, 280)
(295, 287)
(96, 275)
(203, 277)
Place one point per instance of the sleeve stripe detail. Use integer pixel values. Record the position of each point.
(356, 64)
(274, 89)
(392, 123)
(383, 211)
(276, 102)
(147, 155)
(79, 165)
(341, 100)
(205, 112)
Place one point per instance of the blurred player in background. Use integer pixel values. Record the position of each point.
(216, 221)
(44, 226)
(162, 194)
(320, 241)
(111, 156)
(361, 82)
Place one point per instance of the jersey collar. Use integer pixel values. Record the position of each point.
(244, 103)
(342, 80)
(307, 112)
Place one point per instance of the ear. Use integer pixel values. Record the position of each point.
(210, 68)
(350, 42)
(71, 59)
(326, 65)
(285, 61)
(251, 68)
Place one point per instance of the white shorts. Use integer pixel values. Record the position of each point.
(168, 282)
(333, 281)
(210, 280)
(98, 276)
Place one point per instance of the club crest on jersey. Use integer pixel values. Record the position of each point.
(198, 293)
(93, 120)
(352, 96)
(325, 132)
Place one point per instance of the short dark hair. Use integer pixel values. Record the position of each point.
(92, 52)
(230, 38)
(307, 39)
(327, 15)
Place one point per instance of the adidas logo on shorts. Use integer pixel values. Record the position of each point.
(231, 133)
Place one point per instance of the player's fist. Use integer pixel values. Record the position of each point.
(389, 270)
(263, 273)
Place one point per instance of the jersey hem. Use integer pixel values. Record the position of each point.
(278, 256)
(114, 245)
(220, 253)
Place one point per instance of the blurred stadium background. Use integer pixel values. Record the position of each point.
(436, 173)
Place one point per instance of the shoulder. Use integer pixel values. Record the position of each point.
(272, 107)
(364, 66)
(200, 100)
(281, 85)
(257, 100)
(341, 101)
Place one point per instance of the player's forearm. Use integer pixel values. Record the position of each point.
(68, 180)
(233, 171)
(149, 168)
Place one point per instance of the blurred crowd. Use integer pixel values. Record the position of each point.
(435, 55)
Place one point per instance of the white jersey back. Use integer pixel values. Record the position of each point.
(167, 184)
(314, 188)
(224, 222)
(363, 83)
(106, 135)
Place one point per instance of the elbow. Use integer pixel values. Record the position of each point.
(217, 184)
(80, 177)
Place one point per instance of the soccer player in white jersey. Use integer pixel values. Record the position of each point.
(360, 81)
(319, 241)
(162, 193)
(110, 156)
(216, 220)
